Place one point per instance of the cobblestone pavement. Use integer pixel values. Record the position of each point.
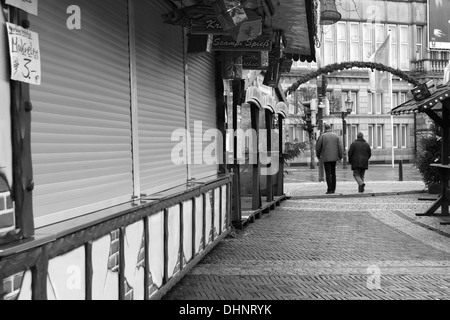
(320, 248)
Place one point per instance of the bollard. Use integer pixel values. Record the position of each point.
(400, 171)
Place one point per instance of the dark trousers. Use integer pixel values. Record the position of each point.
(330, 175)
(359, 174)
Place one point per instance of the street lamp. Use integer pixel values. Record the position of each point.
(344, 114)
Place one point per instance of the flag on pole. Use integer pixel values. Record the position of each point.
(379, 81)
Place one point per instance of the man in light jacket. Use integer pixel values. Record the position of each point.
(329, 150)
(359, 155)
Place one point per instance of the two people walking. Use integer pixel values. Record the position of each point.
(329, 150)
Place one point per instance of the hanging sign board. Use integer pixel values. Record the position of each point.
(207, 25)
(255, 60)
(30, 6)
(25, 54)
(224, 43)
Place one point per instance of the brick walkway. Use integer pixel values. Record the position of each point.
(327, 249)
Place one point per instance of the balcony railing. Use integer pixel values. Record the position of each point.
(429, 65)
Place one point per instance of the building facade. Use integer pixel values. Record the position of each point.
(363, 28)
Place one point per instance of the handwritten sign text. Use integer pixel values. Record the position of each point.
(25, 54)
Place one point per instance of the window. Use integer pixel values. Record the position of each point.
(380, 36)
(380, 135)
(351, 135)
(370, 137)
(402, 97)
(354, 98)
(404, 56)
(379, 103)
(329, 55)
(353, 132)
(404, 135)
(370, 102)
(354, 42)
(395, 100)
(341, 42)
(395, 136)
(394, 57)
(419, 43)
(367, 41)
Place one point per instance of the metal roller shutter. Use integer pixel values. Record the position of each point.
(81, 132)
(202, 109)
(161, 96)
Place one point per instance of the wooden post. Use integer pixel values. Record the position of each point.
(21, 108)
(221, 108)
(445, 154)
(256, 187)
(237, 213)
(40, 276)
(280, 187)
(122, 279)
(269, 188)
(89, 270)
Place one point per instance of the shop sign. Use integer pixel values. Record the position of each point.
(255, 60)
(225, 43)
(30, 6)
(25, 54)
(207, 25)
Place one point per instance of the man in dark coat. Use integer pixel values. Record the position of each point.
(329, 150)
(358, 156)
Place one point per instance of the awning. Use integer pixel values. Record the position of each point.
(282, 109)
(268, 103)
(428, 105)
(296, 20)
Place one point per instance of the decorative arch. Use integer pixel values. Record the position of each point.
(351, 64)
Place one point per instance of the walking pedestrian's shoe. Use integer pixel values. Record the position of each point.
(361, 188)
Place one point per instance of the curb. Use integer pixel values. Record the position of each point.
(355, 195)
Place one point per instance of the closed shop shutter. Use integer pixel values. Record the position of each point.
(161, 96)
(202, 111)
(81, 132)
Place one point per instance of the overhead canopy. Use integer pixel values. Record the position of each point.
(432, 103)
(296, 20)
(282, 109)
(268, 103)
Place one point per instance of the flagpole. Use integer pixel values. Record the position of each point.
(392, 103)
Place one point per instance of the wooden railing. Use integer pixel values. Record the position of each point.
(138, 252)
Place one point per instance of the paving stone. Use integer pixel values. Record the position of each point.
(316, 249)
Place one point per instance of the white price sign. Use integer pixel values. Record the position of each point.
(25, 54)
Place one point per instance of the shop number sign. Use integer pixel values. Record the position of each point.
(25, 54)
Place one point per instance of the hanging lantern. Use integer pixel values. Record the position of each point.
(272, 77)
(328, 13)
